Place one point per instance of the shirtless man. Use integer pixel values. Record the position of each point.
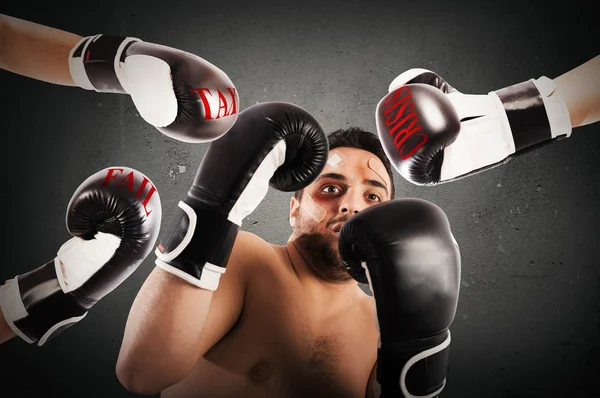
(287, 321)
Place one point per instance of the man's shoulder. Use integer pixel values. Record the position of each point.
(252, 243)
(250, 250)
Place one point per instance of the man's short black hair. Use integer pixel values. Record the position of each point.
(355, 137)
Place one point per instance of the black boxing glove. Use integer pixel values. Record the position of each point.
(114, 217)
(181, 94)
(406, 252)
(433, 134)
(272, 143)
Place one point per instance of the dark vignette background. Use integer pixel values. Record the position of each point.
(528, 322)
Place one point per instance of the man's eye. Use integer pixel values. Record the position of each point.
(330, 189)
(374, 197)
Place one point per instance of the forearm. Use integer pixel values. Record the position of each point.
(373, 388)
(580, 89)
(36, 51)
(165, 322)
(6, 333)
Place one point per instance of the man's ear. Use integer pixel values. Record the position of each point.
(294, 207)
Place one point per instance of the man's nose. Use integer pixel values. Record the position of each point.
(352, 203)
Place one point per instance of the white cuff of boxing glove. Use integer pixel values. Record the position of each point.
(556, 108)
(12, 306)
(209, 278)
(76, 66)
(13, 310)
(78, 260)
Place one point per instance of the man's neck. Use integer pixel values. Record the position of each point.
(307, 273)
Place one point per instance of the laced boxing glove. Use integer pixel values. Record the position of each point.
(114, 217)
(406, 252)
(181, 94)
(434, 134)
(272, 143)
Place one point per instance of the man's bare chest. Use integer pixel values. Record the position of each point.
(283, 343)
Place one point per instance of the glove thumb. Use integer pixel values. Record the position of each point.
(148, 81)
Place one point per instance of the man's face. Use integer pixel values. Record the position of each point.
(352, 180)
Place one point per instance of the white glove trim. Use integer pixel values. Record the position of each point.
(117, 60)
(76, 67)
(417, 358)
(209, 279)
(404, 77)
(258, 185)
(12, 306)
(364, 265)
(59, 325)
(556, 108)
(189, 234)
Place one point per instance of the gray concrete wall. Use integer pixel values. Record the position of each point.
(528, 322)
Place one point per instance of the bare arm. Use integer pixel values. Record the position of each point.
(165, 321)
(6, 333)
(373, 387)
(178, 322)
(580, 89)
(36, 51)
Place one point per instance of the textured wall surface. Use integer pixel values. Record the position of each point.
(528, 321)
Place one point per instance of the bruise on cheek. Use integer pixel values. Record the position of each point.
(311, 208)
(378, 168)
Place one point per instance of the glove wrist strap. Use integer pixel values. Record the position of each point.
(533, 115)
(556, 108)
(197, 253)
(94, 62)
(36, 308)
(414, 370)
